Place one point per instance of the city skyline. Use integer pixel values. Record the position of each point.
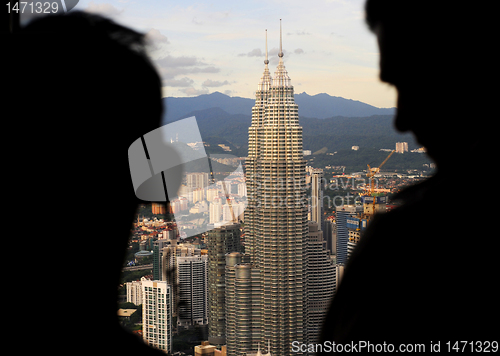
(201, 47)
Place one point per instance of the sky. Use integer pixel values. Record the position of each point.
(200, 47)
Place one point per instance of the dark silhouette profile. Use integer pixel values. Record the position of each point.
(81, 90)
(427, 271)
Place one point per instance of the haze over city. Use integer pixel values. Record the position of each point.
(203, 47)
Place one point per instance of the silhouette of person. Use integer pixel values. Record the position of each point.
(82, 90)
(426, 271)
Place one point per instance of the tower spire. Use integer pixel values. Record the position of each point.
(266, 61)
(265, 81)
(280, 54)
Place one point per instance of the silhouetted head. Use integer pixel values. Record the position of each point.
(84, 66)
(431, 52)
(85, 90)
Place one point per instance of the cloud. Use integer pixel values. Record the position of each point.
(298, 51)
(183, 82)
(214, 83)
(193, 91)
(103, 9)
(170, 68)
(211, 69)
(183, 61)
(253, 53)
(155, 40)
(155, 36)
(274, 52)
(171, 72)
(299, 33)
(273, 55)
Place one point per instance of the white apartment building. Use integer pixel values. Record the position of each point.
(157, 315)
(134, 292)
(401, 147)
(197, 180)
(215, 211)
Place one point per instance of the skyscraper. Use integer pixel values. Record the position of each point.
(157, 314)
(192, 279)
(220, 241)
(342, 232)
(276, 217)
(317, 181)
(243, 292)
(320, 282)
(170, 269)
(197, 180)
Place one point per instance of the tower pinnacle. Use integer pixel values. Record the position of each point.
(266, 61)
(280, 54)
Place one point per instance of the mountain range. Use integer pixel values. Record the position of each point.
(319, 106)
(331, 125)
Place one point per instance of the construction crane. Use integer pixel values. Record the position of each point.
(371, 172)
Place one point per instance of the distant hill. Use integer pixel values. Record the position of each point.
(334, 133)
(322, 106)
(318, 106)
(225, 120)
(179, 107)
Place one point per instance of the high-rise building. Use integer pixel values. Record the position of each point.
(321, 280)
(157, 315)
(215, 211)
(243, 305)
(342, 232)
(329, 235)
(158, 209)
(355, 225)
(169, 268)
(276, 217)
(198, 194)
(317, 182)
(192, 281)
(212, 193)
(220, 241)
(134, 292)
(227, 215)
(401, 147)
(197, 180)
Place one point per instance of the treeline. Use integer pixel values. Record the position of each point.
(336, 134)
(358, 160)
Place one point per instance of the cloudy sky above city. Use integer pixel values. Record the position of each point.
(200, 47)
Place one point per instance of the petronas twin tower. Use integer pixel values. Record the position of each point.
(276, 228)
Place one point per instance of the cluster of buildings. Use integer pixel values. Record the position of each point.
(259, 297)
(178, 289)
(200, 195)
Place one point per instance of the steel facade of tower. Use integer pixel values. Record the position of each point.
(276, 225)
